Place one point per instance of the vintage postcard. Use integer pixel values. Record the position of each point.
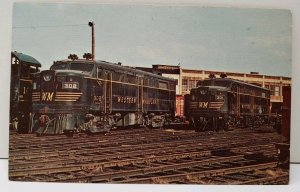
(150, 94)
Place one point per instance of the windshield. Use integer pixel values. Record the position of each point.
(59, 66)
(205, 94)
(73, 66)
(82, 67)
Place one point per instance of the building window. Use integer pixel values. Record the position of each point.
(188, 84)
(184, 85)
(276, 91)
(192, 84)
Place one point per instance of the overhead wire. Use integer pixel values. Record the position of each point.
(48, 26)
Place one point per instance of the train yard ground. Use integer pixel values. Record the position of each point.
(158, 156)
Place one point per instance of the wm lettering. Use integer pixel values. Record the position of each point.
(47, 96)
(203, 104)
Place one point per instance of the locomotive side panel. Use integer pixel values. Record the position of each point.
(22, 68)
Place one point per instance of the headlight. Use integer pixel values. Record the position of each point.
(34, 86)
(47, 77)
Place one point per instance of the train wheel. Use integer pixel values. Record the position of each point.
(215, 124)
(201, 124)
(198, 126)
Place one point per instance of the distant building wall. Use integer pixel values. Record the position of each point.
(274, 83)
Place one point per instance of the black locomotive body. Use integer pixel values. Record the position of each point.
(22, 68)
(95, 96)
(221, 103)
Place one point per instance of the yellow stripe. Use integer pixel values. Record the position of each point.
(25, 80)
(69, 93)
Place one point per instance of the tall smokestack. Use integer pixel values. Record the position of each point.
(92, 24)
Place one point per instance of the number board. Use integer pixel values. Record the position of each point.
(70, 85)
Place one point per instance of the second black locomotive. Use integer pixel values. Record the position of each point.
(221, 103)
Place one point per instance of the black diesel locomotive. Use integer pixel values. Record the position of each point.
(95, 96)
(221, 103)
(22, 68)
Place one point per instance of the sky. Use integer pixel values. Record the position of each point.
(222, 39)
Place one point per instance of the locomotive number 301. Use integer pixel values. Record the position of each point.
(70, 85)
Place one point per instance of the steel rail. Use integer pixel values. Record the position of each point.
(200, 174)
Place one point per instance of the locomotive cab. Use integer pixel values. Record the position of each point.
(209, 97)
(58, 97)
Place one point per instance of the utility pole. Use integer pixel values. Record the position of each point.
(92, 24)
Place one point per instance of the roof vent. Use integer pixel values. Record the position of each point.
(223, 75)
(212, 76)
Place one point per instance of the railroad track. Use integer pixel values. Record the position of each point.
(148, 156)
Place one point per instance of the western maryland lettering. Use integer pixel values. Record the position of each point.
(126, 99)
(206, 105)
(150, 101)
(203, 105)
(47, 96)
